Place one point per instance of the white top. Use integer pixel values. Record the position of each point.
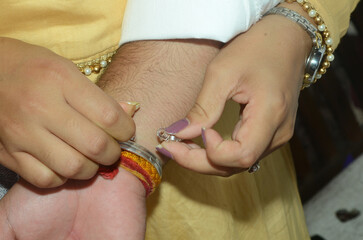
(219, 20)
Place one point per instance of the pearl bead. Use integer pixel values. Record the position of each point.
(300, 1)
(103, 63)
(87, 71)
(329, 41)
(330, 57)
(321, 27)
(318, 76)
(312, 13)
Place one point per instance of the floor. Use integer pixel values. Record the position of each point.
(344, 192)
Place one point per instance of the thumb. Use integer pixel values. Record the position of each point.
(130, 107)
(207, 109)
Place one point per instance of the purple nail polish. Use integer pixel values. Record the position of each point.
(203, 137)
(177, 126)
(163, 151)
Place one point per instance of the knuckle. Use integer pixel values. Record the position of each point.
(248, 159)
(74, 167)
(199, 111)
(48, 69)
(110, 117)
(97, 144)
(128, 131)
(217, 69)
(46, 179)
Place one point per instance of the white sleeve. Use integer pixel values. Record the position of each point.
(218, 20)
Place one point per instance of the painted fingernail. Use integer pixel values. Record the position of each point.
(135, 104)
(177, 126)
(203, 137)
(163, 151)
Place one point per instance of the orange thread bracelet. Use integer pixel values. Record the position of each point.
(142, 169)
(138, 161)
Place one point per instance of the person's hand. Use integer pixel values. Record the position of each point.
(262, 71)
(84, 210)
(54, 123)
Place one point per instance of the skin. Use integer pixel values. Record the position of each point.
(274, 89)
(54, 123)
(100, 209)
(261, 70)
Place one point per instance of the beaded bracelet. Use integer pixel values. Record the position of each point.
(326, 40)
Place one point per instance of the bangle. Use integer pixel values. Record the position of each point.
(142, 163)
(327, 41)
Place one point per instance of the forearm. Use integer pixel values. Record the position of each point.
(164, 76)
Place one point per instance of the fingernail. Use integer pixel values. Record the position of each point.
(135, 104)
(177, 126)
(163, 151)
(203, 137)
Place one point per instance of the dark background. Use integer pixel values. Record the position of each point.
(329, 126)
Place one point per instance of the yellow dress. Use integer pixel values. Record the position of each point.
(265, 205)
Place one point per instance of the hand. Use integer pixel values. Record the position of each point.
(54, 123)
(84, 210)
(262, 71)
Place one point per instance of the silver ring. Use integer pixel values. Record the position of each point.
(254, 168)
(163, 135)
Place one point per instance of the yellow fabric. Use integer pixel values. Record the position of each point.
(264, 205)
(78, 30)
(336, 15)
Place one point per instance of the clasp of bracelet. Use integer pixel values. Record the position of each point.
(163, 135)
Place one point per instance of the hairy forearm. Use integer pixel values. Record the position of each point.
(164, 76)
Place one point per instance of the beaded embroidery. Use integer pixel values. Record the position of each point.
(96, 65)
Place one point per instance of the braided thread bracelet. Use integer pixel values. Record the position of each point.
(138, 161)
(327, 41)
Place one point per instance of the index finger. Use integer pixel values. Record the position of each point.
(89, 100)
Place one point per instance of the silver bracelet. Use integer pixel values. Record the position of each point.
(144, 153)
(315, 58)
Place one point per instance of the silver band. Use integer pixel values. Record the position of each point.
(144, 153)
(302, 21)
(318, 50)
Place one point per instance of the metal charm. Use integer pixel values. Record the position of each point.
(254, 168)
(165, 136)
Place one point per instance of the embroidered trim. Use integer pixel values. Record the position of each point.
(96, 65)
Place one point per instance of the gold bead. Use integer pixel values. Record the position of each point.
(322, 71)
(318, 20)
(329, 50)
(96, 68)
(109, 60)
(326, 64)
(306, 6)
(306, 76)
(326, 34)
